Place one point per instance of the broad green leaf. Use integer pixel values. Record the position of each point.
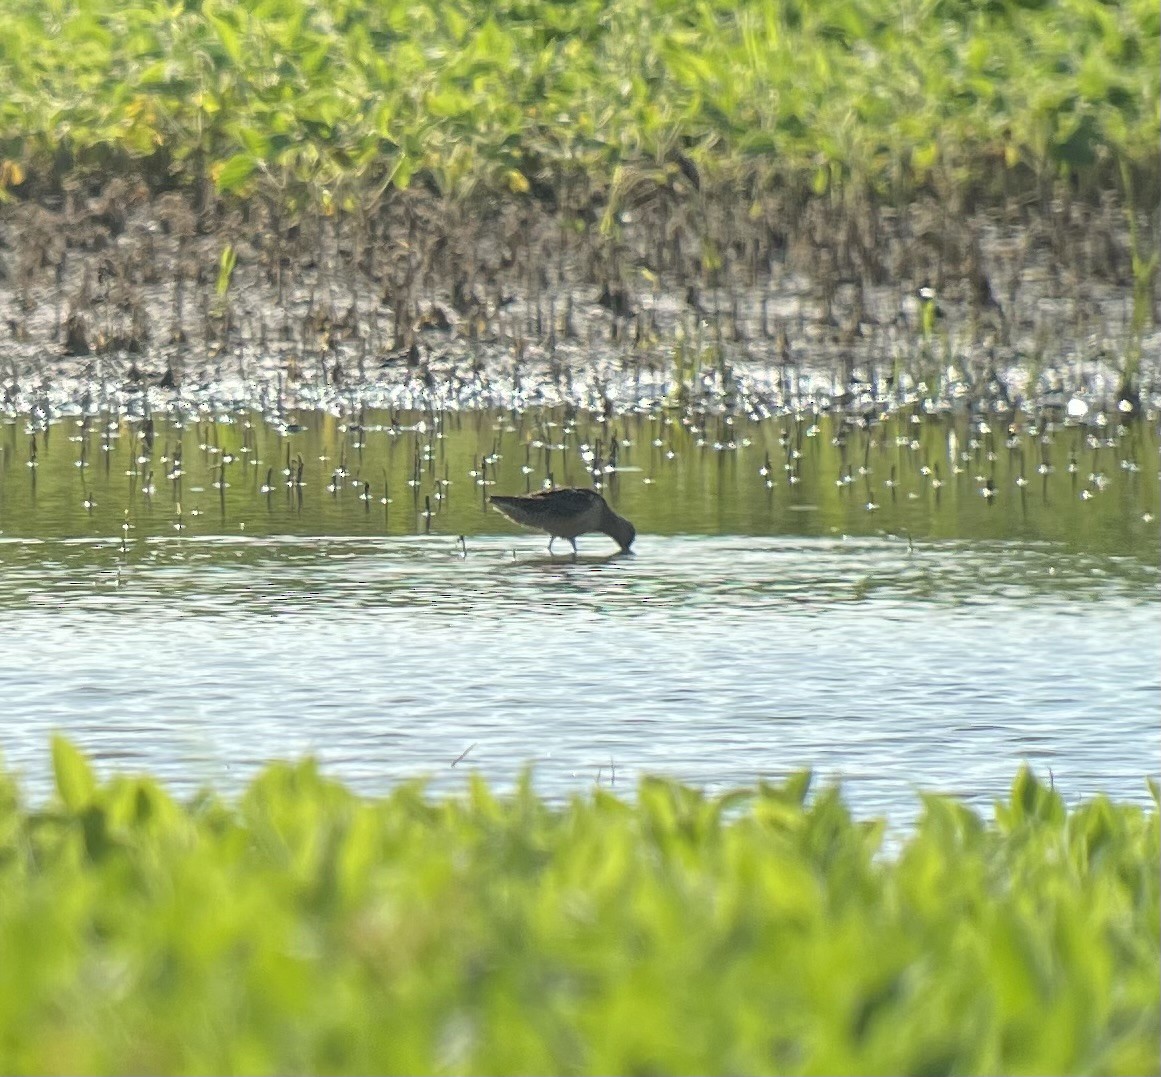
(228, 36)
(232, 174)
(75, 783)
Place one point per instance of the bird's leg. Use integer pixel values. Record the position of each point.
(551, 540)
(573, 541)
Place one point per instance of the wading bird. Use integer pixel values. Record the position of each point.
(566, 514)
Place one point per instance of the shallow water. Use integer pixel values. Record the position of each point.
(935, 641)
(718, 660)
(1092, 487)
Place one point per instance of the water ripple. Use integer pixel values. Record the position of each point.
(716, 660)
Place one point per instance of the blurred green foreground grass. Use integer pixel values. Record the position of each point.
(306, 929)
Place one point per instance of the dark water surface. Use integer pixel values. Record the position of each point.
(934, 640)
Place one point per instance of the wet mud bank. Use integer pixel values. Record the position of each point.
(423, 302)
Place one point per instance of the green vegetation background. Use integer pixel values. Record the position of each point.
(308, 930)
(322, 102)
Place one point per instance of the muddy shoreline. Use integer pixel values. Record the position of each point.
(425, 303)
